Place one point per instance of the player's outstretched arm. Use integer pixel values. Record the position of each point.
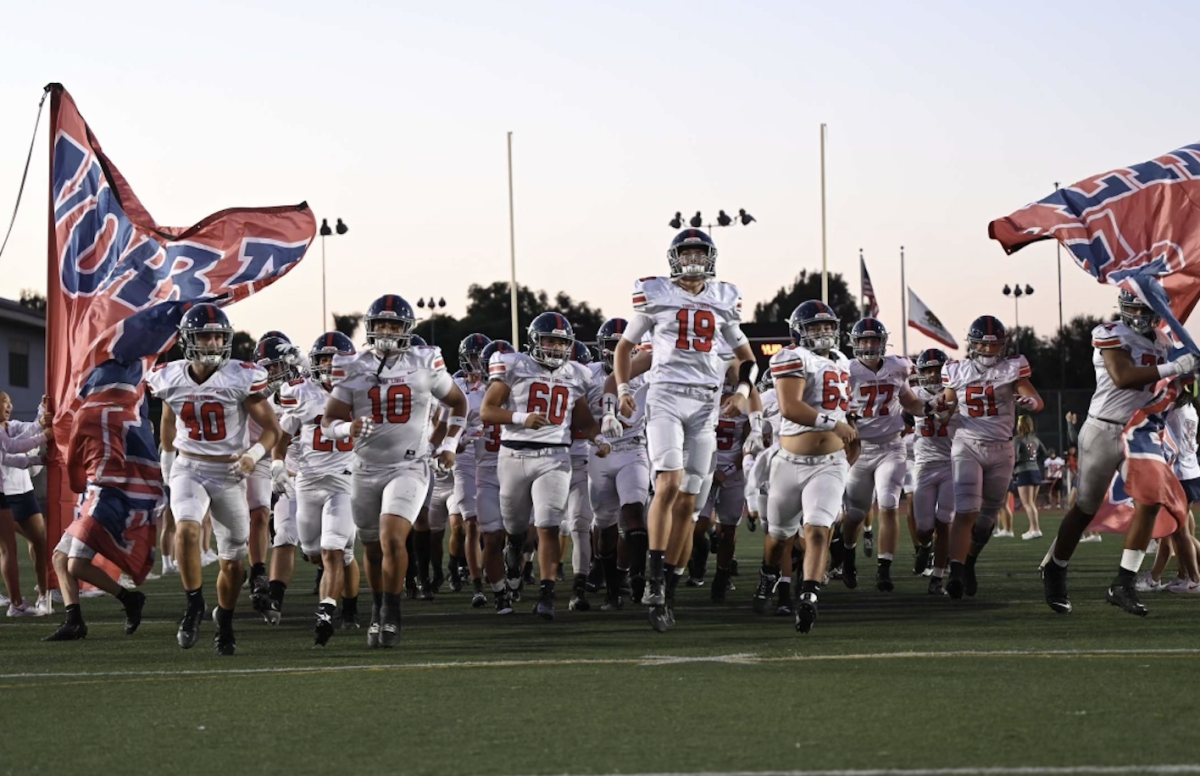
(1027, 396)
(584, 421)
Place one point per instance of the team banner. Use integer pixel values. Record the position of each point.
(1137, 227)
(921, 318)
(118, 283)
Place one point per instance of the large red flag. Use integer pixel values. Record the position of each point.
(118, 283)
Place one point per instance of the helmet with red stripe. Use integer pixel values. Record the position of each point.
(470, 351)
(551, 340)
(280, 358)
(320, 355)
(581, 353)
(815, 326)
(607, 338)
(929, 368)
(986, 340)
(207, 335)
(275, 333)
(1135, 313)
(389, 322)
(868, 339)
(692, 254)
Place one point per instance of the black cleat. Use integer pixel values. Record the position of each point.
(655, 594)
(389, 627)
(849, 570)
(658, 618)
(883, 579)
(921, 561)
(410, 588)
(970, 581)
(373, 629)
(935, 586)
(719, 587)
(260, 596)
(1126, 597)
(612, 601)
(957, 581)
(806, 612)
(324, 631)
(478, 600)
(763, 593)
(189, 627)
(868, 543)
(670, 615)
(783, 598)
(637, 589)
(456, 581)
(1054, 584)
(544, 607)
(134, 602)
(273, 613)
(350, 621)
(424, 590)
(68, 632)
(695, 581)
(504, 604)
(224, 645)
(579, 602)
(439, 579)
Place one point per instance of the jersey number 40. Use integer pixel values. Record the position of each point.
(204, 421)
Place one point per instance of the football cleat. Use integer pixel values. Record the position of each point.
(921, 560)
(544, 607)
(658, 618)
(670, 614)
(762, 594)
(504, 602)
(435, 585)
(655, 594)
(719, 586)
(424, 590)
(1126, 597)
(883, 579)
(868, 543)
(849, 570)
(224, 645)
(579, 602)
(694, 582)
(612, 601)
(134, 602)
(189, 627)
(273, 613)
(456, 580)
(806, 612)
(410, 588)
(324, 630)
(783, 598)
(1054, 584)
(636, 590)
(389, 627)
(935, 586)
(260, 595)
(350, 620)
(373, 628)
(68, 631)
(957, 582)
(478, 600)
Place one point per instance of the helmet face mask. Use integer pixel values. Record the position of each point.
(1139, 317)
(868, 339)
(929, 368)
(470, 352)
(551, 340)
(607, 338)
(986, 341)
(692, 255)
(389, 324)
(207, 336)
(320, 355)
(815, 327)
(280, 358)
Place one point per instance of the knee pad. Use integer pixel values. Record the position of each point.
(691, 484)
(985, 523)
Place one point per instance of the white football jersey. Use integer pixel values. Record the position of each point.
(826, 383)
(770, 411)
(1118, 404)
(687, 329)
(535, 388)
(933, 438)
(473, 429)
(304, 405)
(1183, 424)
(1056, 466)
(398, 397)
(729, 440)
(486, 436)
(875, 396)
(635, 426)
(986, 409)
(210, 418)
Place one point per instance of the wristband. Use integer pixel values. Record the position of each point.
(1169, 369)
(166, 459)
(448, 445)
(744, 390)
(518, 418)
(608, 404)
(599, 440)
(824, 423)
(730, 469)
(756, 422)
(338, 430)
(623, 389)
(456, 421)
(256, 452)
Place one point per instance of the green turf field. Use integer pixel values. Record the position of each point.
(898, 681)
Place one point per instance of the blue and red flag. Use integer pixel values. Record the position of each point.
(1136, 227)
(118, 283)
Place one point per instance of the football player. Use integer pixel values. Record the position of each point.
(464, 555)
(382, 401)
(808, 472)
(207, 402)
(726, 499)
(537, 398)
(324, 522)
(933, 496)
(1130, 357)
(985, 389)
(579, 516)
(488, 526)
(878, 392)
(687, 313)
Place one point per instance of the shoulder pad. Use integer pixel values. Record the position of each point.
(162, 366)
(248, 365)
(729, 295)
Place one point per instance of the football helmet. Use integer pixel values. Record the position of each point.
(275, 333)
(469, 352)
(551, 340)
(986, 340)
(494, 347)
(766, 382)
(815, 326)
(1135, 313)
(417, 341)
(700, 263)
(389, 308)
(581, 353)
(606, 340)
(929, 365)
(280, 358)
(197, 323)
(868, 340)
(320, 355)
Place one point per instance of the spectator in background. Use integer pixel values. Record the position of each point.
(1028, 470)
(1054, 475)
(20, 512)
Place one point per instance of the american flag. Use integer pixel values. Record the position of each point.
(869, 304)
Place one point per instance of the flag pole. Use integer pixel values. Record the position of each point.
(512, 252)
(824, 261)
(903, 306)
(1062, 362)
(862, 263)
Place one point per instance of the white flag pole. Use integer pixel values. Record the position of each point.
(824, 262)
(903, 306)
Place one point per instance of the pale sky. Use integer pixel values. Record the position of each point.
(942, 116)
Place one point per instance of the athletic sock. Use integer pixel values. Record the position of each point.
(224, 619)
(275, 589)
(350, 606)
(74, 614)
(657, 564)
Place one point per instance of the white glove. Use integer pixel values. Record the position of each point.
(1185, 363)
(754, 444)
(279, 477)
(1025, 402)
(368, 426)
(611, 427)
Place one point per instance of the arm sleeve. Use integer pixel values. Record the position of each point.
(442, 383)
(1072, 434)
(733, 334)
(23, 445)
(638, 328)
(20, 461)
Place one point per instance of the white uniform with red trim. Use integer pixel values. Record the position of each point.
(728, 497)
(211, 420)
(879, 470)
(391, 472)
(982, 450)
(933, 474)
(463, 500)
(623, 476)
(486, 442)
(535, 464)
(688, 369)
(808, 488)
(324, 519)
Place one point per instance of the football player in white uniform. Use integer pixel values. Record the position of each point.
(933, 476)
(878, 392)
(207, 402)
(985, 389)
(488, 525)
(726, 500)
(686, 313)
(579, 516)
(464, 555)
(382, 401)
(620, 483)
(808, 472)
(324, 522)
(537, 398)
(1130, 358)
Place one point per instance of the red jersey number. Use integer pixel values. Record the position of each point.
(396, 406)
(696, 330)
(323, 445)
(981, 401)
(491, 437)
(873, 393)
(726, 434)
(551, 402)
(833, 392)
(205, 421)
(931, 427)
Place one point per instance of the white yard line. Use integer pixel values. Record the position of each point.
(1031, 770)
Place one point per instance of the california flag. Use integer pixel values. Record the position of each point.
(923, 320)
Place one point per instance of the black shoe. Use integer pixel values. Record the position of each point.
(260, 595)
(410, 588)
(350, 621)
(670, 614)
(719, 587)
(658, 618)
(883, 579)
(970, 582)
(435, 585)
(849, 571)
(134, 603)
(1054, 584)
(762, 594)
(504, 604)
(806, 612)
(695, 582)
(424, 590)
(224, 645)
(373, 630)
(935, 586)
(783, 598)
(478, 600)
(1126, 597)
(544, 607)
(637, 590)
(273, 613)
(389, 627)
(68, 632)
(515, 584)
(456, 580)
(868, 543)
(324, 631)
(612, 601)
(595, 579)
(957, 581)
(579, 602)
(921, 561)
(656, 594)
(189, 627)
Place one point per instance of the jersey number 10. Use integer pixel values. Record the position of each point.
(398, 404)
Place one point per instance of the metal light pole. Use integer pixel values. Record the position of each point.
(433, 307)
(723, 220)
(824, 263)
(1016, 293)
(340, 228)
(512, 250)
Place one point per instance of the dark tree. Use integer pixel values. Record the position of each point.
(347, 324)
(32, 299)
(243, 346)
(808, 286)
